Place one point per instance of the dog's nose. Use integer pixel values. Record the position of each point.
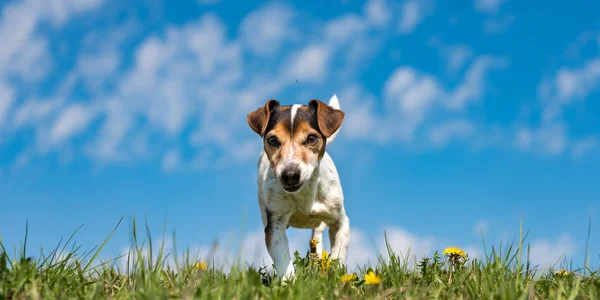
(290, 176)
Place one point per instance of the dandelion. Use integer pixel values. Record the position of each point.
(313, 245)
(562, 272)
(313, 249)
(454, 252)
(454, 256)
(372, 278)
(347, 278)
(201, 266)
(325, 263)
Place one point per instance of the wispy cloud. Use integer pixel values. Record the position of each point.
(413, 13)
(547, 252)
(488, 6)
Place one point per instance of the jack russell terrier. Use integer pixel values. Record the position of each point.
(298, 184)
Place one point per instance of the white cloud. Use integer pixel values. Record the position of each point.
(547, 139)
(360, 121)
(472, 87)
(455, 56)
(583, 146)
(546, 253)
(171, 160)
(71, 121)
(498, 24)
(266, 29)
(481, 227)
(59, 11)
(413, 13)
(457, 129)
(345, 28)
(7, 97)
(568, 85)
(33, 112)
(208, 2)
(378, 12)
(412, 95)
(310, 64)
(488, 6)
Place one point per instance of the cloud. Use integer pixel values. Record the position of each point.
(208, 2)
(472, 87)
(266, 29)
(456, 129)
(569, 85)
(71, 121)
(7, 97)
(378, 12)
(584, 146)
(455, 56)
(310, 64)
(413, 13)
(498, 24)
(412, 95)
(546, 139)
(488, 6)
(546, 252)
(412, 101)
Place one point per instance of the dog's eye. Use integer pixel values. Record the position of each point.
(273, 141)
(311, 139)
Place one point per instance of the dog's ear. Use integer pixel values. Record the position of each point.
(259, 118)
(329, 119)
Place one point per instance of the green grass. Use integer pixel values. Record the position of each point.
(504, 273)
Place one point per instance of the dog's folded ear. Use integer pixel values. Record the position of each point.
(259, 118)
(329, 119)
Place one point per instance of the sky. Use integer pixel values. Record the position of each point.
(463, 119)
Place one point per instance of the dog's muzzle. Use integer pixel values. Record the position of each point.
(290, 179)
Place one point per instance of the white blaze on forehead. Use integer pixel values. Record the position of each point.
(294, 110)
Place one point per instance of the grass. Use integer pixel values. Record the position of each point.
(504, 273)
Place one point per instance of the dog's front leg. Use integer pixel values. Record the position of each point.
(339, 237)
(277, 244)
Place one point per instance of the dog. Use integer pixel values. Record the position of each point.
(298, 183)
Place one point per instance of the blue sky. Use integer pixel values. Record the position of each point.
(461, 117)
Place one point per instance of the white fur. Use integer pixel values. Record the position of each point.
(335, 103)
(319, 203)
(294, 111)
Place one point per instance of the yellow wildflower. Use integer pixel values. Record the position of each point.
(562, 272)
(313, 245)
(372, 278)
(325, 262)
(201, 266)
(347, 278)
(454, 252)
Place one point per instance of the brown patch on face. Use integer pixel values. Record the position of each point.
(309, 152)
(277, 151)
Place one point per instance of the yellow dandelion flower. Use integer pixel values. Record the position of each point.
(562, 272)
(325, 262)
(313, 245)
(347, 278)
(201, 266)
(454, 252)
(372, 278)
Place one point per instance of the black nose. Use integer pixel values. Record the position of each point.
(290, 176)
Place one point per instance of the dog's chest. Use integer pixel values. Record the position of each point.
(312, 209)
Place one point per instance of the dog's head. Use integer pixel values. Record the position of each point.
(295, 137)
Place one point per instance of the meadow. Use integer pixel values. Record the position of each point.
(68, 272)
